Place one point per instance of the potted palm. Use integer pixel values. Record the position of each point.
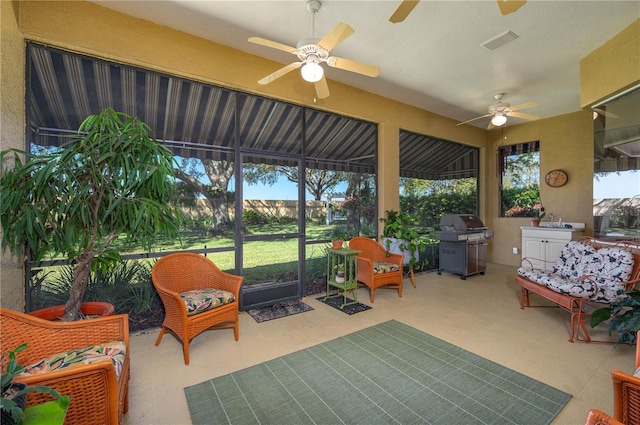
(110, 180)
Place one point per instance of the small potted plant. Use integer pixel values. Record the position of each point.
(539, 214)
(337, 239)
(339, 269)
(14, 394)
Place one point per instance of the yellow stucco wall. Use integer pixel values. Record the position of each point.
(612, 67)
(12, 121)
(566, 142)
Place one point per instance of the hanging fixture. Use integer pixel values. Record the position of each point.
(498, 119)
(312, 71)
(500, 111)
(312, 52)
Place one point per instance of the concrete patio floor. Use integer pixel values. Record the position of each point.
(480, 314)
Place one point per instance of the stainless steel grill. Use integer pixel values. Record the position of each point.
(463, 244)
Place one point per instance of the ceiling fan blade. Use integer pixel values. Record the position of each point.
(403, 11)
(322, 89)
(279, 73)
(510, 6)
(473, 119)
(522, 115)
(272, 44)
(353, 66)
(337, 35)
(524, 106)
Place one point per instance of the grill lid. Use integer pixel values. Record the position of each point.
(461, 223)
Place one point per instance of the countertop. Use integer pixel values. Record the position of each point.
(576, 227)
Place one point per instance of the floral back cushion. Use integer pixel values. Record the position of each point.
(382, 267)
(114, 351)
(614, 263)
(570, 264)
(199, 300)
(609, 269)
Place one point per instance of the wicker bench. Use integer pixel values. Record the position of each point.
(588, 271)
(98, 384)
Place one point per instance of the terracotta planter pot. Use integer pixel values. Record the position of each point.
(90, 308)
(337, 244)
(535, 222)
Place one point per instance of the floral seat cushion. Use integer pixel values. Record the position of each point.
(199, 300)
(557, 283)
(114, 351)
(382, 267)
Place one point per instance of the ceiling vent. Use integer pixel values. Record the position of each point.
(500, 40)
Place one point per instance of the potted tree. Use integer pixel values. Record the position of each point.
(14, 394)
(110, 180)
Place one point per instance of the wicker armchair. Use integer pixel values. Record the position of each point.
(373, 253)
(626, 393)
(97, 396)
(179, 273)
(596, 417)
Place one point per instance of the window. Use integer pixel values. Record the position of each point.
(520, 180)
(616, 178)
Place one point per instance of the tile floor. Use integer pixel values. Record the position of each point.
(481, 314)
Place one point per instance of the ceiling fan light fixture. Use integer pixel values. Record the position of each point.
(312, 72)
(498, 119)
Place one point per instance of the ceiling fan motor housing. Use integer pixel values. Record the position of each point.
(308, 47)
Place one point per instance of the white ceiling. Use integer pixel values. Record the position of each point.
(434, 59)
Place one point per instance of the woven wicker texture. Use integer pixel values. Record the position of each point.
(185, 271)
(626, 393)
(97, 397)
(596, 417)
(371, 252)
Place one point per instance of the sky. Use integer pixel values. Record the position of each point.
(612, 186)
(282, 190)
(625, 185)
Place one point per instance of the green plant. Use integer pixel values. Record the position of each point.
(10, 368)
(401, 226)
(111, 179)
(338, 234)
(624, 317)
(253, 217)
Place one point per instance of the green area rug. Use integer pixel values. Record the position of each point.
(390, 373)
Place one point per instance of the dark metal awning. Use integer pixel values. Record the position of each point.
(429, 158)
(204, 121)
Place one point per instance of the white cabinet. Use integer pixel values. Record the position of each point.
(542, 246)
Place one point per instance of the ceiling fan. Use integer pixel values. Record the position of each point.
(313, 51)
(405, 8)
(500, 111)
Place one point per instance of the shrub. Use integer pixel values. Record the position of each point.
(252, 217)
